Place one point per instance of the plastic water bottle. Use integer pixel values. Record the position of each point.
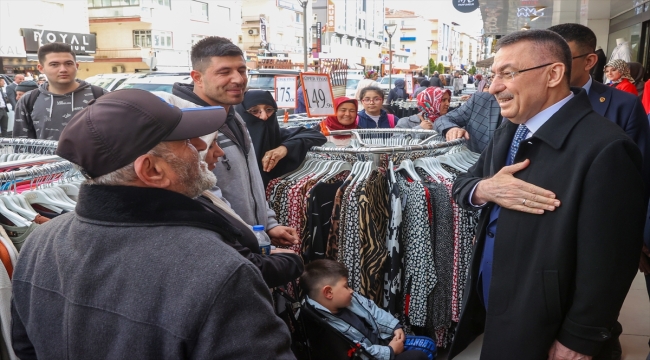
(262, 240)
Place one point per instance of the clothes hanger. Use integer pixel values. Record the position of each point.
(407, 165)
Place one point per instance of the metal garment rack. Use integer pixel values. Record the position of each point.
(388, 137)
(29, 146)
(388, 149)
(44, 166)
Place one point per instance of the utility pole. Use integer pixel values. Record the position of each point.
(303, 3)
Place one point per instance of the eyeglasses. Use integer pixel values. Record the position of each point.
(583, 55)
(257, 112)
(369, 100)
(510, 75)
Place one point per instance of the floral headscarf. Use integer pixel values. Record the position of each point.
(621, 66)
(429, 101)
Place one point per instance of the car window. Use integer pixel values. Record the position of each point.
(265, 82)
(149, 87)
(352, 83)
(101, 82)
(385, 80)
(119, 82)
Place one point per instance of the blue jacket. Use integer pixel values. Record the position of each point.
(302, 108)
(383, 323)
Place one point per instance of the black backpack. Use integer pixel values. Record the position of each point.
(33, 95)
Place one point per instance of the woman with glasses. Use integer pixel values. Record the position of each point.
(345, 119)
(278, 151)
(618, 73)
(373, 115)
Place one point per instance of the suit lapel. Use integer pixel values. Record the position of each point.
(502, 140)
(600, 96)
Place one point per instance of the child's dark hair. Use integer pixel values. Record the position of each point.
(319, 273)
(371, 88)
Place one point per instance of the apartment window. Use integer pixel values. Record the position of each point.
(223, 13)
(348, 42)
(363, 5)
(109, 3)
(336, 40)
(162, 3)
(298, 41)
(199, 10)
(162, 39)
(142, 38)
(359, 24)
(197, 38)
(299, 17)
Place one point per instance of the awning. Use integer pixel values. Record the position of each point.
(80, 58)
(485, 63)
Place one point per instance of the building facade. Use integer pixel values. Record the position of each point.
(136, 35)
(28, 24)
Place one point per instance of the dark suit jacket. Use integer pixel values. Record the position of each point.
(626, 111)
(11, 94)
(564, 274)
(479, 116)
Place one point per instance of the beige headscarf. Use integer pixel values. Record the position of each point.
(622, 67)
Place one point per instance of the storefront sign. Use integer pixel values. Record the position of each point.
(331, 16)
(12, 47)
(80, 43)
(285, 91)
(319, 46)
(465, 6)
(263, 32)
(409, 83)
(319, 96)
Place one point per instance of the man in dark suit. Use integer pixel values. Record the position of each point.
(4, 110)
(475, 120)
(565, 187)
(11, 90)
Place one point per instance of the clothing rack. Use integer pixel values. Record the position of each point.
(388, 149)
(388, 137)
(30, 146)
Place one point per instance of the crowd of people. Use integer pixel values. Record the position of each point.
(160, 260)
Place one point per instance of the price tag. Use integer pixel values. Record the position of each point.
(409, 83)
(285, 91)
(319, 97)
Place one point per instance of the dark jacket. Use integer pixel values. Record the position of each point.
(11, 94)
(435, 81)
(398, 92)
(276, 269)
(140, 273)
(480, 116)
(598, 71)
(626, 111)
(562, 275)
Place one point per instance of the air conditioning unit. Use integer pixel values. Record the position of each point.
(118, 69)
(254, 32)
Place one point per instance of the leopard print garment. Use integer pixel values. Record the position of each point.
(332, 247)
(373, 220)
(349, 241)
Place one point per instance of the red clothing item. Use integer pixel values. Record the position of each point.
(646, 97)
(6, 260)
(627, 86)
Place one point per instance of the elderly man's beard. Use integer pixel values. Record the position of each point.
(193, 176)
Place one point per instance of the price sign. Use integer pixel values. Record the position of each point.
(319, 97)
(285, 91)
(409, 83)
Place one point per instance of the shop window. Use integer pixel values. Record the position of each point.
(199, 10)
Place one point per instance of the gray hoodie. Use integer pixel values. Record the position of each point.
(51, 112)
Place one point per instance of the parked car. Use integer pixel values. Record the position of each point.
(264, 78)
(155, 82)
(383, 84)
(351, 85)
(109, 82)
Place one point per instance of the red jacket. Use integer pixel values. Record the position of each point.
(627, 86)
(646, 97)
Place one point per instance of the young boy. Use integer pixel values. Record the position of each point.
(326, 284)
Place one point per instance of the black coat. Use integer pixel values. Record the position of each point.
(435, 81)
(598, 71)
(564, 274)
(11, 94)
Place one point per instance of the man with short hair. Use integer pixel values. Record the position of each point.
(11, 89)
(140, 270)
(435, 80)
(220, 78)
(562, 193)
(45, 113)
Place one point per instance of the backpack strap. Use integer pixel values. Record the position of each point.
(97, 91)
(31, 100)
(391, 120)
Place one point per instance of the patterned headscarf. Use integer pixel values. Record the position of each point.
(622, 67)
(429, 101)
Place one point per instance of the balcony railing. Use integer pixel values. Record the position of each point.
(121, 53)
(119, 12)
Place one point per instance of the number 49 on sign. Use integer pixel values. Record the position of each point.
(319, 97)
(285, 91)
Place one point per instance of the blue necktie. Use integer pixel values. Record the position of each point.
(520, 135)
(485, 270)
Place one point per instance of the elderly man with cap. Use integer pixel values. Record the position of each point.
(25, 87)
(141, 270)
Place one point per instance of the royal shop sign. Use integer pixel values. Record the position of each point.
(80, 43)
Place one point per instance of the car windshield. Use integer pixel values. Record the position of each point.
(149, 87)
(384, 81)
(265, 82)
(101, 82)
(352, 83)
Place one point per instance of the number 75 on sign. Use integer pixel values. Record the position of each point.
(285, 91)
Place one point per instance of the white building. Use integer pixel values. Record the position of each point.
(351, 29)
(28, 24)
(274, 29)
(132, 32)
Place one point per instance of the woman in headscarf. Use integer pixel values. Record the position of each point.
(278, 150)
(481, 84)
(619, 76)
(433, 103)
(345, 119)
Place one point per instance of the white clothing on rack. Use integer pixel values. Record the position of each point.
(622, 52)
